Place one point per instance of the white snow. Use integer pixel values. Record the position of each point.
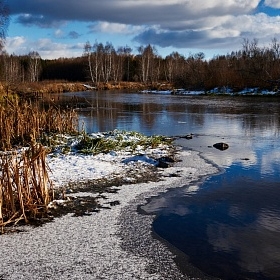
(115, 243)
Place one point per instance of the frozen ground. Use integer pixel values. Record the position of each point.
(114, 243)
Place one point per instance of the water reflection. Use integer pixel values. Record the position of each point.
(173, 115)
(228, 226)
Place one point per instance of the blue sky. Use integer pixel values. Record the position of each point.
(60, 28)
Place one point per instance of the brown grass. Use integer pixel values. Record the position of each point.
(25, 188)
(22, 123)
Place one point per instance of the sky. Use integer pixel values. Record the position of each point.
(60, 28)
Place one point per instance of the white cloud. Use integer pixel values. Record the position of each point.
(45, 47)
(188, 24)
(16, 45)
(207, 33)
(114, 28)
(58, 33)
(272, 3)
(259, 25)
(49, 49)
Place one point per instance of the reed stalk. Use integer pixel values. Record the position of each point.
(20, 123)
(25, 188)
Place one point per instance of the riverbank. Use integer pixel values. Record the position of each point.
(38, 89)
(114, 242)
(43, 88)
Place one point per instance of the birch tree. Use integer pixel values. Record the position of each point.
(34, 66)
(87, 51)
(11, 71)
(147, 55)
(108, 52)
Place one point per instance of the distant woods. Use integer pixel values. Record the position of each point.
(251, 66)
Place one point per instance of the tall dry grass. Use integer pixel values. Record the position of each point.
(25, 188)
(22, 123)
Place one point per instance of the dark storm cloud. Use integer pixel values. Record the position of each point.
(184, 39)
(38, 20)
(177, 23)
(134, 12)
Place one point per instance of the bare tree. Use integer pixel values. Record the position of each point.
(108, 52)
(127, 51)
(34, 66)
(4, 21)
(87, 51)
(147, 55)
(11, 71)
(174, 65)
(94, 54)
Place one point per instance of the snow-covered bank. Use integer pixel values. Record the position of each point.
(115, 243)
(217, 91)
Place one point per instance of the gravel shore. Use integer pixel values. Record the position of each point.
(114, 243)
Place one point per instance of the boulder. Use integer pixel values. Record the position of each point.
(221, 146)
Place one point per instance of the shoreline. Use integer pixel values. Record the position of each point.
(168, 260)
(115, 243)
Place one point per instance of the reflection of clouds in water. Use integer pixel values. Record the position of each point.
(155, 204)
(161, 203)
(220, 237)
(258, 250)
(238, 150)
(224, 126)
(270, 162)
(269, 220)
(192, 189)
(234, 211)
(180, 210)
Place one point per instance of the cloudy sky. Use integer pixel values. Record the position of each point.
(60, 28)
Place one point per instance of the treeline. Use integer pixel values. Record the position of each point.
(251, 66)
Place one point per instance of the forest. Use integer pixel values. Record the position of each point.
(251, 66)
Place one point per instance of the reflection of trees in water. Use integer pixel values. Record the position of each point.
(185, 112)
(263, 123)
(105, 110)
(149, 113)
(262, 116)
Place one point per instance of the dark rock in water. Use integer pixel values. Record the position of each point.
(188, 137)
(221, 146)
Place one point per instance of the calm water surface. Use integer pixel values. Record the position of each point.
(229, 225)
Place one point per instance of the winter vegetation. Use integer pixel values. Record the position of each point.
(25, 188)
(252, 66)
(33, 136)
(29, 131)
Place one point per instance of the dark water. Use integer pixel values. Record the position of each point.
(229, 225)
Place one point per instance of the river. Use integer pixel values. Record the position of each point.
(228, 226)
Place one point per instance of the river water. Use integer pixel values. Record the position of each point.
(229, 225)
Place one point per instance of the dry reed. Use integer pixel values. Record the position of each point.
(25, 188)
(21, 123)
